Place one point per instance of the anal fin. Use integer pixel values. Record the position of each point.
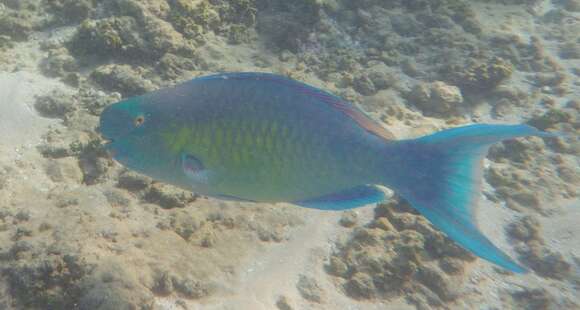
(346, 199)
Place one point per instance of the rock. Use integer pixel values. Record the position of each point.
(56, 104)
(544, 261)
(364, 85)
(53, 282)
(360, 286)
(64, 170)
(122, 78)
(117, 198)
(22, 216)
(572, 5)
(163, 285)
(168, 197)
(94, 162)
(436, 98)
(383, 223)
(190, 288)
(285, 26)
(479, 75)
(16, 27)
(538, 298)
(133, 181)
(117, 36)
(348, 219)
(172, 66)
(112, 288)
(337, 267)
(381, 79)
(270, 233)
(70, 11)
(405, 25)
(382, 259)
(366, 236)
(283, 303)
(551, 118)
(526, 229)
(438, 282)
(570, 50)
(309, 289)
(59, 63)
(193, 19)
(451, 266)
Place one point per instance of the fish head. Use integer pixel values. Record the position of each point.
(133, 130)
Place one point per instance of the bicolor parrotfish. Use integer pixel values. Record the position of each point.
(266, 138)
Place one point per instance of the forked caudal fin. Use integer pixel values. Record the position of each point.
(440, 176)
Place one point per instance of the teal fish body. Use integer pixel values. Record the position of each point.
(266, 138)
(260, 139)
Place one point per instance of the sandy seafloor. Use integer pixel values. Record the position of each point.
(78, 231)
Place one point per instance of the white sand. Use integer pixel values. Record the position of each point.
(20, 124)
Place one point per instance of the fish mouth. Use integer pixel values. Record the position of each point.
(107, 144)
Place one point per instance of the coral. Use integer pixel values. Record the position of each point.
(53, 283)
(64, 170)
(133, 181)
(56, 104)
(533, 177)
(360, 286)
(534, 253)
(544, 261)
(125, 79)
(94, 161)
(117, 36)
(71, 11)
(169, 197)
(534, 299)
(193, 19)
(111, 287)
(286, 24)
(572, 5)
(437, 98)
(125, 38)
(526, 229)
(15, 28)
(479, 75)
(59, 63)
(398, 252)
(348, 219)
(310, 289)
(172, 66)
(283, 303)
(190, 288)
(550, 118)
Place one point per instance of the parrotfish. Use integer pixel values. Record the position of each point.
(266, 138)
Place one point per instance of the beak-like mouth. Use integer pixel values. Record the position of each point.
(107, 145)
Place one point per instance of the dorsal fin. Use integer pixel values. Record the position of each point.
(335, 102)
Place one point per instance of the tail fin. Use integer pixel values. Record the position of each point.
(441, 177)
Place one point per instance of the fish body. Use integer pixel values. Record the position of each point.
(266, 138)
(258, 139)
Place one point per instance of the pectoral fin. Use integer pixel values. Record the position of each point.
(194, 169)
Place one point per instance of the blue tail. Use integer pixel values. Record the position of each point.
(440, 175)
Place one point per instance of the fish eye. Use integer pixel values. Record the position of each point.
(139, 120)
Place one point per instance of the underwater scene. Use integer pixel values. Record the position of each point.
(288, 155)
